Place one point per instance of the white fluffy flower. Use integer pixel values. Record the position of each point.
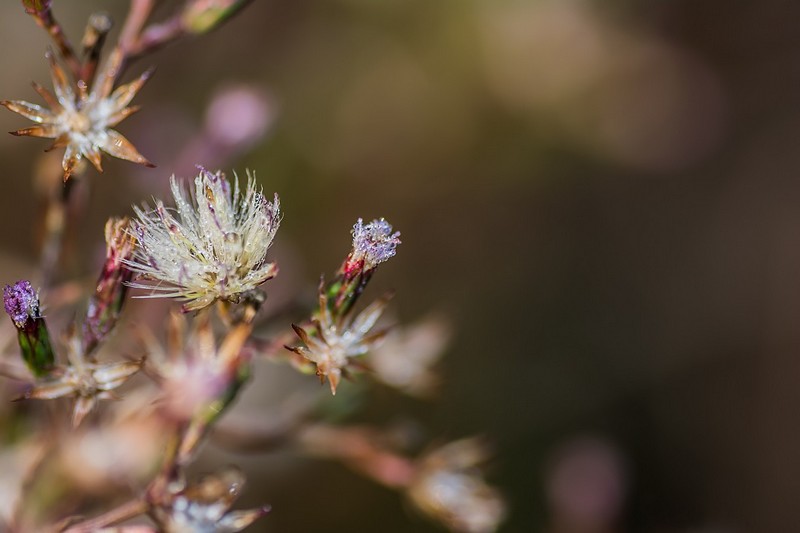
(211, 246)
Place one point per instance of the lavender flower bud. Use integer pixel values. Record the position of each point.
(22, 305)
(374, 243)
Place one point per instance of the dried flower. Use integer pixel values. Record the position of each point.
(22, 305)
(405, 359)
(215, 249)
(199, 377)
(333, 341)
(449, 488)
(83, 379)
(83, 120)
(204, 507)
(373, 244)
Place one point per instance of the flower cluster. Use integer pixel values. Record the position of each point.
(212, 246)
(207, 248)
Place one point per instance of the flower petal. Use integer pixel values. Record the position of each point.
(47, 131)
(118, 146)
(28, 110)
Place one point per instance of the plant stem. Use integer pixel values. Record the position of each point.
(46, 20)
(55, 223)
(119, 514)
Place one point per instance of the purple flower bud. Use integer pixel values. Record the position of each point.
(374, 243)
(21, 302)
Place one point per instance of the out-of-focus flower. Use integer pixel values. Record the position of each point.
(238, 116)
(83, 379)
(586, 485)
(22, 305)
(83, 120)
(448, 487)
(118, 454)
(333, 341)
(201, 16)
(215, 249)
(405, 358)
(204, 507)
(198, 376)
(373, 244)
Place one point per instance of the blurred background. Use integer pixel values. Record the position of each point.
(600, 195)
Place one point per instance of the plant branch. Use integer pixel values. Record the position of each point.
(119, 514)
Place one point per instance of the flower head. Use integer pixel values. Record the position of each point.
(204, 507)
(21, 302)
(449, 488)
(82, 120)
(211, 246)
(22, 305)
(333, 342)
(82, 379)
(406, 358)
(373, 243)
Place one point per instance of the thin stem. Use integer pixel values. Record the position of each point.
(93, 39)
(55, 224)
(137, 17)
(119, 514)
(46, 20)
(358, 448)
(156, 36)
(138, 14)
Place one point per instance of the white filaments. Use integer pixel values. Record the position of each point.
(374, 243)
(211, 246)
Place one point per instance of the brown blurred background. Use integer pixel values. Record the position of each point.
(604, 196)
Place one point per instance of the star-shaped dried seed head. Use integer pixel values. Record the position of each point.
(83, 379)
(83, 120)
(332, 343)
(204, 507)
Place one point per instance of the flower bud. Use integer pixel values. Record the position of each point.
(105, 304)
(202, 16)
(22, 305)
(37, 8)
(373, 244)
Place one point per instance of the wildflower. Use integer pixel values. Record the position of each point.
(83, 121)
(199, 377)
(405, 359)
(215, 249)
(449, 488)
(204, 507)
(373, 244)
(332, 342)
(83, 379)
(22, 305)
